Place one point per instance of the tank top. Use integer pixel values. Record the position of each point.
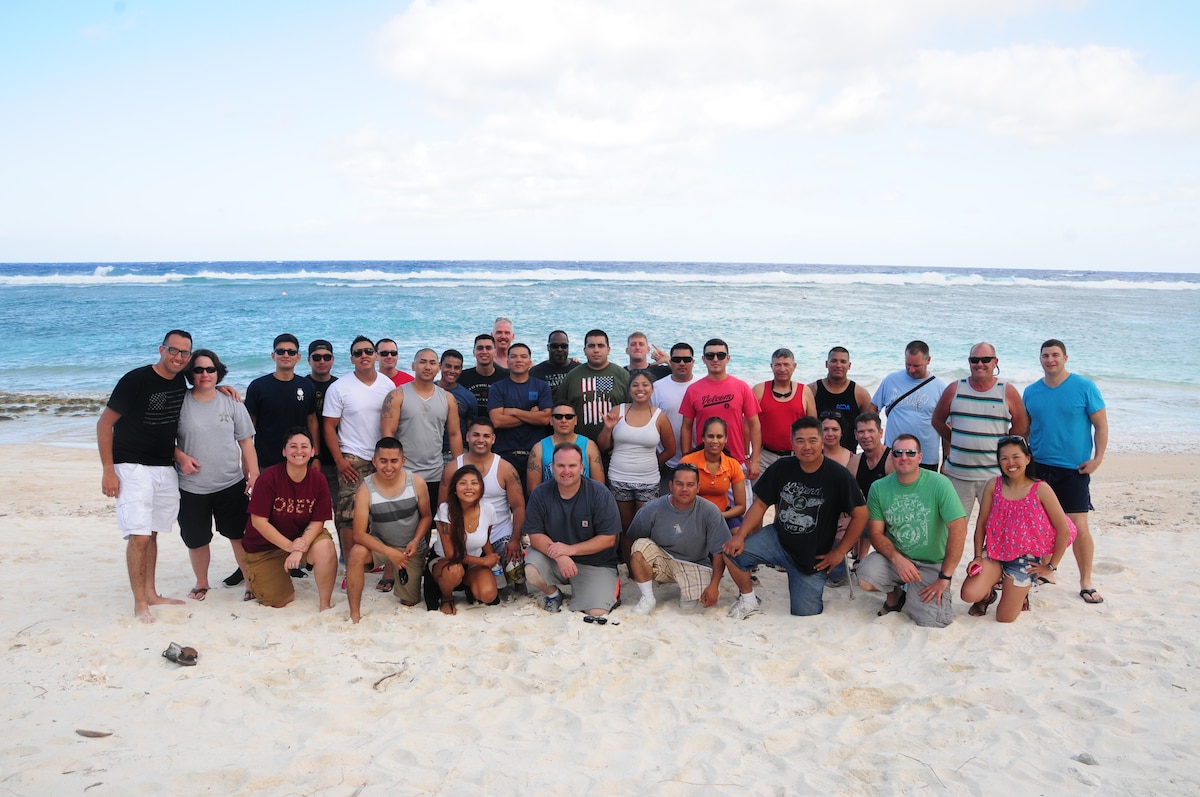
(635, 451)
(977, 421)
(394, 519)
(776, 417)
(866, 476)
(548, 457)
(1019, 528)
(422, 424)
(840, 402)
(496, 497)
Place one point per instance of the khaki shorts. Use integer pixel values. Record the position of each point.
(692, 578)
(409, 593)
(268, 579)
(343, 516)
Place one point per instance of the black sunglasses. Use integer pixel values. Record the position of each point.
(321, 358)
(360, 352)
(682, 359)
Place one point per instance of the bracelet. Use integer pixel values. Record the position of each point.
(1052, 567)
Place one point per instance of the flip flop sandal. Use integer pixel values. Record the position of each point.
(385, 585)
(181, 655)
(889, 609)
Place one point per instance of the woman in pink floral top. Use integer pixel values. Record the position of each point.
(1022, 533)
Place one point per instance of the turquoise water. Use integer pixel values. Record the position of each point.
(73, 329)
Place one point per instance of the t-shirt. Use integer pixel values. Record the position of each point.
(667, 396)
(480, 385)
(210, 431)
(593, 393)
(468, 409)
(553, 375)
(359, 407)
(319, 389)
(695, 534)
(807, 506)
(476, 539)
(913, 415)
(1060, 425)
(915, 515)
(149, 407)
(532, 394)
(730, 399)
(591, 512)
(289, 506)
(277, 406)
(715, 486)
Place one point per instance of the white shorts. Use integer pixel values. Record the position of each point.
(148, 500)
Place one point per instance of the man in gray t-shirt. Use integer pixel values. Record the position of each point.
(678, 538)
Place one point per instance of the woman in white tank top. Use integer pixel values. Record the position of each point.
(634, 432)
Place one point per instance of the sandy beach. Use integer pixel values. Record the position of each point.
(1070, 699)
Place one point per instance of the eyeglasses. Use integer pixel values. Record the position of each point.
(383, 353)
(905, 452)
(563, 416)
(715, 355)
(978, 360)
(682, 359)
(367, 350)
(558, 346)
(320, 358)
(204, 369)
(282, 352)
(174, 352)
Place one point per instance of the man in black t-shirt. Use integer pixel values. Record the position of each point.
(136, 439)
(280, 401)
(809, 493)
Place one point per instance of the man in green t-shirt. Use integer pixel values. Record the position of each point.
(918, 528)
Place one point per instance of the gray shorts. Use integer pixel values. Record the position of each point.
(969, 493)
(878, 571)
(591, 588)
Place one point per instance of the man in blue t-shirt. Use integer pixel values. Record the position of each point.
(519, 407)
(1068, 434)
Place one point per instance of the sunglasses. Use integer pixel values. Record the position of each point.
(368, 351)
(282, 352)
(837, 416)
(1012, 438)
(204, 369)
(715, 355)
(558, 346)
(905, 452)
(383, 353)
(978, 360)
(563, 416)
(682, 359)
(320, 358)
(174, 352)
(590, 618)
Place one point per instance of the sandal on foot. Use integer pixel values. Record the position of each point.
(1025, 605)
(888, 609)
(181, 655)
(385, 585)
(979, 608)
(198, 593)
(1090, 596)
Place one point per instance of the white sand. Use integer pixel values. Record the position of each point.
(511, 700)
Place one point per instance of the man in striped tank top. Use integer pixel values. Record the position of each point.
(971, 417)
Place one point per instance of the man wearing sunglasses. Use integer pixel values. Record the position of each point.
(280, 401)
(136, 439)
(918, 528)
(668, 397)
(320, 373)
(729, 399)
(562, 421)
(554, 369)
(389, 362)
(351, 415)
(971, 417)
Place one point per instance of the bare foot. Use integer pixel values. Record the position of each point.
(144, 615)
(448, 606)
(159, 600)
(324, 606)
(355, 617)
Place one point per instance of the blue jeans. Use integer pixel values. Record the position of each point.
(804, 589)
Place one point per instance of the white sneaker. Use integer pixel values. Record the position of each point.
(645, 605)
(740, 610)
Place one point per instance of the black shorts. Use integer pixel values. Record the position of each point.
(1072, 488)
(226, 507)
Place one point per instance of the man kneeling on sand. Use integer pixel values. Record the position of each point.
(392, 518)
(677, 538)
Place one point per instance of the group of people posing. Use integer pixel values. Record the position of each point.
(510, 476)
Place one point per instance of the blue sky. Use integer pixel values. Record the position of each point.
(973, 133)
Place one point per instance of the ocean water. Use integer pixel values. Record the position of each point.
(68, 331)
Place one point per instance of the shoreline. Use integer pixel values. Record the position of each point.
(290, 701)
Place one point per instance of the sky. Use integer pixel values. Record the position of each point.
(1059, 134)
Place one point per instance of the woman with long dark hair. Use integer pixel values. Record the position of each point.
(463, 554)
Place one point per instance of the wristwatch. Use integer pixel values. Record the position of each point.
(945, 577)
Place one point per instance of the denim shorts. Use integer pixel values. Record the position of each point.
(1015, 569)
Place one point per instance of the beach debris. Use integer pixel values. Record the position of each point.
(92, 734)
(1086, 758)
(181, 654)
